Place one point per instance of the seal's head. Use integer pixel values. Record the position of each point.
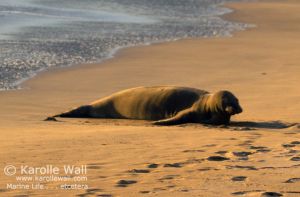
(227, 103)
(217, 108)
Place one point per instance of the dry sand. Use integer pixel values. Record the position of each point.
(260, 65)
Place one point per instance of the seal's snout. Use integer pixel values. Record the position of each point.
(233, 110)
(239, 110)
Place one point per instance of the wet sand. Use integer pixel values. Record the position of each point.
(258, 153)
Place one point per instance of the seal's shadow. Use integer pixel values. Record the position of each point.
(262, 125)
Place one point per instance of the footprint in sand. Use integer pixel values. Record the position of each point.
(291, 144)
(193, 151)
(239, 193)
(192, 161)
(293, 151)
(295, 159)
(93, 190)
(207, 169)
(270, 194)
(153, 165)
(93, 166)
(242, 167)
(263, 150)
(144, 192)
(105, 195)
(217, 158)
(285, 154)
(262, 160)
(291, 133)
(125, 183)
(169, 177)
(173, 165)
(239, 178)
(221, 152)
(260, 149)
(90, 191)
(139, 171)
(243, 193)
(184, 190)
(242, 153)
(159, 189)
(288, 145)
(171, 186)
(293, 180)
(246, 143)
(209, 145)
(21, 195)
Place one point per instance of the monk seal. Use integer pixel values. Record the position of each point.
(166, 105)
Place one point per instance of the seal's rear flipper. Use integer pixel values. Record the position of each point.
(50, 118)
(80, 112)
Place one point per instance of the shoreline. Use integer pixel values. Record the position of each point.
(19, 84)
(259, 65)
(222, 10)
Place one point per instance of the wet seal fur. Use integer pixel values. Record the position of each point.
(166, 105)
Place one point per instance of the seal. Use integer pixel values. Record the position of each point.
(166, 105)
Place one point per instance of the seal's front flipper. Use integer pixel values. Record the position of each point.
(181, 118)
(217, 120)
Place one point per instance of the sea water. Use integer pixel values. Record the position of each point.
(40, 34)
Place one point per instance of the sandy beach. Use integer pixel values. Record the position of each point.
(257, 154)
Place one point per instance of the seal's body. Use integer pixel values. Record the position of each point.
(166, 104)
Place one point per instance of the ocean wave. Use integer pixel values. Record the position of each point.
(42, 34)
